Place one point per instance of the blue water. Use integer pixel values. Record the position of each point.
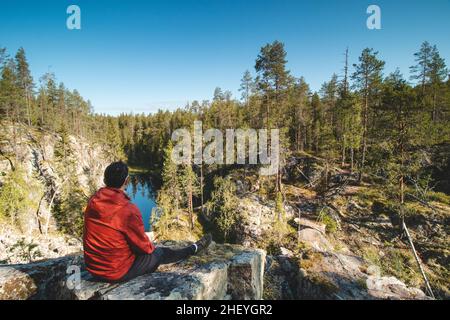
(142, 195)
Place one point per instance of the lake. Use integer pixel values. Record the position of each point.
(141, 192)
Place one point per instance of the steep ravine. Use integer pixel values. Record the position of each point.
(33, 233)
(357, 254)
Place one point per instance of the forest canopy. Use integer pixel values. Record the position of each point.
(359, 118)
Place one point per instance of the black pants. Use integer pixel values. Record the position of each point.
(147, 263)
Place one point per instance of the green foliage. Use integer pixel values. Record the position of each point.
(439, 197)
(25, 250)
(69, 207)
(280, 223)
(170, 178)
(189, 183)
(179, 185)
(395, 262)
(279, 234)
(331, 226)
(271, 67)
(364, 123)
(71, 198)
(162, 219)
(18, 196)
(13, 194)
(223, 208)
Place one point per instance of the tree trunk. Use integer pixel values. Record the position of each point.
(427, 283)
(351, 159)
(28, 108)
(201, 185)
(434, 116)
(364, 138)
(190, 208)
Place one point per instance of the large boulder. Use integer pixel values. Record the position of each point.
(221, 272)
(38, 280)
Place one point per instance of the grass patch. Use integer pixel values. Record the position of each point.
(180, 230)
(331, 226)
(367, 196)
(439, 197)
(396, 262)
(401, 263)
(371, 255)
(362, 283)
(310, 259)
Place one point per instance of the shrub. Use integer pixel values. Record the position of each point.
(27, 251)
(330, 223)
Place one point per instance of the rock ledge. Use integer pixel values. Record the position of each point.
(222, 272)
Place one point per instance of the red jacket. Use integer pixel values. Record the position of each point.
(113, 234)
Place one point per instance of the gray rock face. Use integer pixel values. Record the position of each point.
(46, 246)
(326, 273)
(222, 272)
(36, 226)
(333, 277)
(256, 219)
(35, 151)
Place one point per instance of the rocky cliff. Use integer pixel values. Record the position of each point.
(33, 232)
(221, 272)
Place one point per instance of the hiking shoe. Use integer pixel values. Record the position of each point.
(203, 243)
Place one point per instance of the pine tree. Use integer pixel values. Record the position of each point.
(437, 74)
(170, 179)
(273, 77)
(61, 105)
(113, 138)
(218, 94)
(367, 77)
(223, 207)
(421, 70)
(48, 86)
(9, 92)
(349, 117)
(316, 114)
(298, 103)
(3, 56)
(189, 185)
(71, 199)
(10, 99)
(329, 94)
(247, 87)
(25, 81)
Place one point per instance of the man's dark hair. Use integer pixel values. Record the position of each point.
(115, 174)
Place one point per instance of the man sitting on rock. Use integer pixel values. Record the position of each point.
(116, 247)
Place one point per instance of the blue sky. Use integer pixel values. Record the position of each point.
(141, 55)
